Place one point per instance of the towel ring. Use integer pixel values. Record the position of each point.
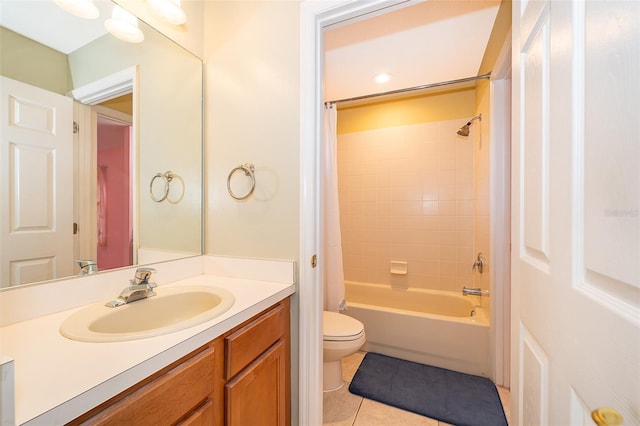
(166, 177)
(176, 178)
(248, 170)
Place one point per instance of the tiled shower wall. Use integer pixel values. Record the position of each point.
(406, 194)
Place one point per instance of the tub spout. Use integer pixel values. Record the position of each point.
(474, 291)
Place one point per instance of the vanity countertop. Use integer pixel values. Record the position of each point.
(57, 379)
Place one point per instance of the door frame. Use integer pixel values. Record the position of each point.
(315, 18)
(500, 216)
(109, 87)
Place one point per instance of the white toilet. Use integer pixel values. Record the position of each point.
(342, 336)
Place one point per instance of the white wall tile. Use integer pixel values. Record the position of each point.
(406, 194)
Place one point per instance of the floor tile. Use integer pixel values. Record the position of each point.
(350, 365)
(373, 413)
(505, 397)
(340, 407)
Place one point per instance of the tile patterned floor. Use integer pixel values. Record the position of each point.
(342, 408)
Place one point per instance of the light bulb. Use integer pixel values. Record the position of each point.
(168, 10)
(81, 8)
(124, 26)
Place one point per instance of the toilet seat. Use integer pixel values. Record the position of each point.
(338, 327)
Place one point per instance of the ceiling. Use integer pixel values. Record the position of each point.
(46, 23)
(429, 42)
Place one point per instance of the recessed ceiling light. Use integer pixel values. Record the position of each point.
(81, 8)
(383, 78)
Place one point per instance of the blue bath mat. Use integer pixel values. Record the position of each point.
(456, 398)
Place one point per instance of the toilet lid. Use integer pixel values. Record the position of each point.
(337, 326)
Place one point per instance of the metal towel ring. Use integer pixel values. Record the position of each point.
(248, 170)
(167, 177)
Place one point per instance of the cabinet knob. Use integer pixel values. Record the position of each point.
(606, 416)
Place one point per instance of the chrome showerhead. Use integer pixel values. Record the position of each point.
(464, 130)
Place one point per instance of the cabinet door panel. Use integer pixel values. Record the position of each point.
(246, 344)
(257, 396)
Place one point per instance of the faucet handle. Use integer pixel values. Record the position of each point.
(87, 266)
(143, 275)
(478, 264)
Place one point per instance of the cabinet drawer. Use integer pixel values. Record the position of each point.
(166, 399)
(247, 343)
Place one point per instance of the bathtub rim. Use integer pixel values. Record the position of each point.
(480, 318)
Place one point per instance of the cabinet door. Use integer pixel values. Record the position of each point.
(257, 396)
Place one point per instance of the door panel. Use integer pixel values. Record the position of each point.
(36, 176)
(611, 164)
(535, 161)
(576, 219)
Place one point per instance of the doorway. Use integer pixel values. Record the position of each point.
(105, 200)
(114, 192)
(314, 19)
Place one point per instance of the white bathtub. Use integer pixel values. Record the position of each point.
(432, 327)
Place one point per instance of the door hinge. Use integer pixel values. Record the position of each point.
(314, 261)
(75, 228)
(76, 127)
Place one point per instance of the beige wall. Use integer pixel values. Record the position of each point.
(438, 106)
(252, 66)
(252, 115)
(406, 192)
(33, 63)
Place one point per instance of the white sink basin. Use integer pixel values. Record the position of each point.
(173, 309)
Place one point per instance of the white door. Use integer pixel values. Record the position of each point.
(36, 184)
(576, 221)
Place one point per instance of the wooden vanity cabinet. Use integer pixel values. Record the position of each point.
(257, 364)
(241, 378)
(180, 393)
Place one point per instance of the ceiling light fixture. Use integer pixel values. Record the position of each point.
(81, 8)
(168, 10)
(124, 26)
(383, 78)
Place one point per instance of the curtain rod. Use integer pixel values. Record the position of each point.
(411, 89)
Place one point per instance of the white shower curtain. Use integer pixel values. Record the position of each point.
(334, 299)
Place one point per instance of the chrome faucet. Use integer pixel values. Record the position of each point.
(466, 291)
(139, 288)
(87, 267)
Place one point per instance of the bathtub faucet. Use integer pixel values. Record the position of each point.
(474, 291)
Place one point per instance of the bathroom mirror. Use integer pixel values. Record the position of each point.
(151, 94)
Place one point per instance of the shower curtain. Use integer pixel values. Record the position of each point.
(333, 269)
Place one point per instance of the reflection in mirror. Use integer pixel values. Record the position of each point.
(88, 121)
